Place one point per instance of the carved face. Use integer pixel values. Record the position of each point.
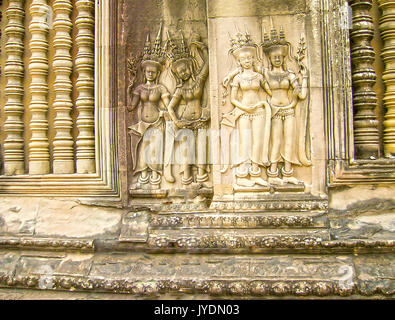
(151, 72)
(276, 57)
(183, 71)
(246, 59)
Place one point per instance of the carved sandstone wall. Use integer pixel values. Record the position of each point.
(197, 148)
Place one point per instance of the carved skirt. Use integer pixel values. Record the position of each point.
(282, 137)
(251, 149)
(148, 147)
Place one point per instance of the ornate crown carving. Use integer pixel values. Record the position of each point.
(275, 39)
(155, 53)
(241, 42)
(177, 52)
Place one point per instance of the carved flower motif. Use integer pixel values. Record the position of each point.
(215, 288)
(162, 242)
(322, 289)
(259, 288)
(238, 288)
(302, 288)
(281, 288)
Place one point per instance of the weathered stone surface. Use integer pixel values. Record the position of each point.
(57, 218)
(226, 275)
(361, 199)
(329, 232)
(68, 219)
(17, 216)
(364, 227)
(235, 8)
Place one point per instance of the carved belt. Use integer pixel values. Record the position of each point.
(282, 114)
(255, 115)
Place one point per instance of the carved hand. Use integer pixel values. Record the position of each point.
(182, 123)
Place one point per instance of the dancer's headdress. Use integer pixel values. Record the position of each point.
(242, 43)
(155, 54)
(177, 53)
(276, 40)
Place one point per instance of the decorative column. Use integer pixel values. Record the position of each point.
(84, 64)
(366, 133)
(63, 152)
(38, 69)
(14, 73)
(387, 30)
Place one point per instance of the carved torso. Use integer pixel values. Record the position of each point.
(150, 97)
(251, 87)
(279, 84)
(190, 107)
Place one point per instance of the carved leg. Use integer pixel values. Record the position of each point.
(273, 173)
(169, 149)
(155, 180)
(242, 178)
(202, 175)
(255, 173)
(186, 177)
(143, 179)
(287, 174)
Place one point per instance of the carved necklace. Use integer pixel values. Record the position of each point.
(279, 77)
(150, 88)
(249, 78)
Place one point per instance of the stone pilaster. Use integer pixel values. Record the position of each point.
(14, 92)
(84, 64)
(366, 133)
(387, 30)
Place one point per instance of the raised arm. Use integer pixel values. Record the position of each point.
(302, 89)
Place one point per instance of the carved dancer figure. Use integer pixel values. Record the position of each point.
(251, 115)
(289, 115)
(189, 66)
(147, 135)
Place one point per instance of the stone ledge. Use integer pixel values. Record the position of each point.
(246, 245)
(213, 275)
(47, 244)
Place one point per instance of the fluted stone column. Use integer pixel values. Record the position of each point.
(63, 152)
(84, 65)
(38, 68)
(366, 133)
(14, 93)
(387, 30)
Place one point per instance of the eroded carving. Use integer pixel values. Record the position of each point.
(148, 133)
(171, 132)
(270, 118)
(189, 66)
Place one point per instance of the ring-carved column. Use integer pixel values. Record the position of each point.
(14, 162)
(366, 133)
(387, 30)
(63, 151)
(84, 65)
(38, 68)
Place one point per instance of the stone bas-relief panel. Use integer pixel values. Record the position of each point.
(250, 128)
(269, 119)
(169, 116)
(268, 110)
